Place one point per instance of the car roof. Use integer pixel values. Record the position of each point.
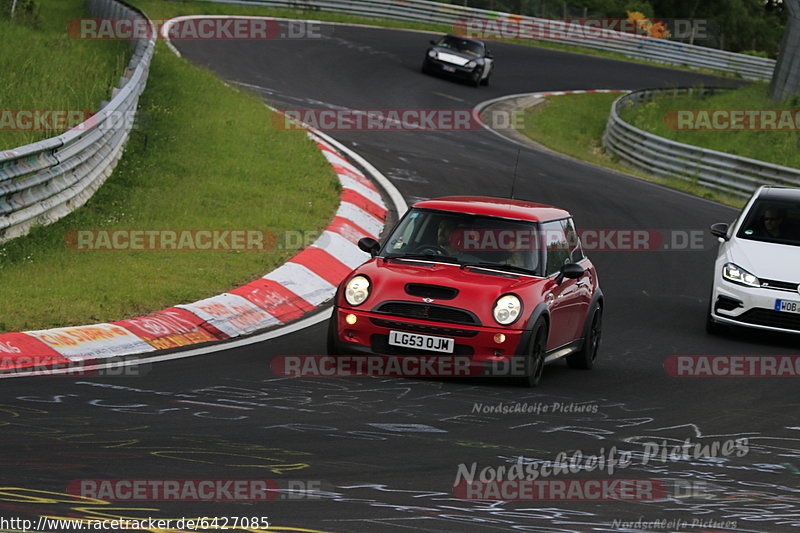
(779, 193)
(495, 207)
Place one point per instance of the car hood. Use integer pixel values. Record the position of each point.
(477, 289)
(453, 56)
(767, 260)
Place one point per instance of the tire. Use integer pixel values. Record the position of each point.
(476, 78)
(424, 69)
(534, 356)
(584, 359)
(485, 81)
(333, 342)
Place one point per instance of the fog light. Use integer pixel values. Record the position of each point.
(499, 338)
(351, 319)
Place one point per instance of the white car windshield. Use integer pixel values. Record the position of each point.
(450, 237)
(462, 45)
(772, 221)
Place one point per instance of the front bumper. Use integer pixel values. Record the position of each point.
(370, 336)
(753, 307)
(450, 69)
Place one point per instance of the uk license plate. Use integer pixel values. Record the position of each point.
(421, 342)
(448, 68)
(787, 306)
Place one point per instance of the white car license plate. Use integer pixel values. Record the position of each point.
(787, 306)
(448, 68)
(421, 342)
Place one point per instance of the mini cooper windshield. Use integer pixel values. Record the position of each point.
(467, 240)
(772, 221)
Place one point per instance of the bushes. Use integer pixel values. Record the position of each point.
(25, 11)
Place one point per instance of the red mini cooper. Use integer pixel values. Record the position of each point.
(504, 282)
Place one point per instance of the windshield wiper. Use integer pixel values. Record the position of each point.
(505, 266)
(427, 257)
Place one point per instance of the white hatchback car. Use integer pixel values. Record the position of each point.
(757, 272)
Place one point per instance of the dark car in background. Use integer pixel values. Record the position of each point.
(460, 57)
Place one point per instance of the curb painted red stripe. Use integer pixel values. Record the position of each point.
(363, 180)
(18, 350)
(322, 264)
(171, 328)
(348, 229)
(274, 298)
(175, 326)
(356, 198)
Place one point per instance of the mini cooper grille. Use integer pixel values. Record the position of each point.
(436, 292)
(421, 328)
(437, 313)
(768, 317)
(779, 285)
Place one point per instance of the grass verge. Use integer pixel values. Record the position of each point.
(203, 156)
(43, 68)
(574, 124)
(779, 147)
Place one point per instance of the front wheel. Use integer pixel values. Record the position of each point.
(534, 357)
(333, 334)
(476, 77)
(584, 359)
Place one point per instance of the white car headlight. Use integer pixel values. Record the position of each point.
(507, 309)
(472, 64)
(357, 290)
(432, 53)
(737, 274)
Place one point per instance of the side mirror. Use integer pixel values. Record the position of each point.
(369, 245)
(720, 229)
(570, 271)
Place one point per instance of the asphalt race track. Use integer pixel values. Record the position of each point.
(382, 454)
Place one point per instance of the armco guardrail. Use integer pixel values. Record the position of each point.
(46, 180)
(635, 46)
(731, 174)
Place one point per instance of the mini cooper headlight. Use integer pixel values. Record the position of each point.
(472, 64)
(507, 309)
(737, 274)
(357, 290)
(432, 53)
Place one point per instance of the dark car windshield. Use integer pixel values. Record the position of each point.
(461, 45)
(469, 240)
(775, 221)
